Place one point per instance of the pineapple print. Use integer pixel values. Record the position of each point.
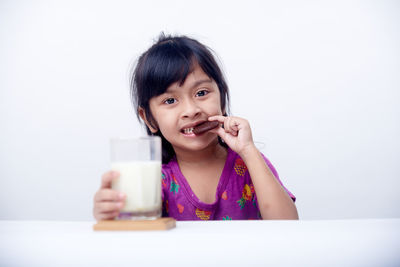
(227, 218)
(203, 214)
(240, 167)
(247, 195)
(174, 186)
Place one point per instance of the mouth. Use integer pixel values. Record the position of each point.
(188, 130)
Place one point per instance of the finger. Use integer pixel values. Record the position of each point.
(233, 125)
(109, 195)
(106, 207)
(107, 215)
(217, 118)
(228, 126)
(220, 131)
(107, 178)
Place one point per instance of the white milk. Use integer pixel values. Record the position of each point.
(141, 182)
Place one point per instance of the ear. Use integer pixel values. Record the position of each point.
(142, 115)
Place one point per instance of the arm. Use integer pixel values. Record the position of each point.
(273, 201)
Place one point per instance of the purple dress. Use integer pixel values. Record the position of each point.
(235, 196)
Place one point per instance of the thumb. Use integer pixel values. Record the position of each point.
(220, 131)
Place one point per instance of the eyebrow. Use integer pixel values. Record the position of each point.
(195, 84)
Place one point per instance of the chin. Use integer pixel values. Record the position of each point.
(198, 145)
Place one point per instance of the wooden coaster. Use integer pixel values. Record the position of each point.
(127, 225)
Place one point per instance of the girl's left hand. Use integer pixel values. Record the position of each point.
(236, 133)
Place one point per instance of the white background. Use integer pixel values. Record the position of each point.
(318, 80)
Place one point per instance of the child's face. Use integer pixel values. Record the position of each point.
(182, 107)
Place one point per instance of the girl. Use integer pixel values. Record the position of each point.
(216, 175)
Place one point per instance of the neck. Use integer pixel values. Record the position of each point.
(205, 157)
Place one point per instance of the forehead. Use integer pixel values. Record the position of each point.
(193, 79)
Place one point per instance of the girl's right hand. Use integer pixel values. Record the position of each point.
(108, 202)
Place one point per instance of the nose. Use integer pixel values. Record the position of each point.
(190, 109)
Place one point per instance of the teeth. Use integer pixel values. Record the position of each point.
(188, 130)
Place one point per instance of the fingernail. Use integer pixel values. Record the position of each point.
(122, 196)
(119, 204)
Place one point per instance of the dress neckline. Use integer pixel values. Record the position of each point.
(223, 180)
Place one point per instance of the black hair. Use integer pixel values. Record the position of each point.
(169, 60)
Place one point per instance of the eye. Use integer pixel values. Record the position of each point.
(202, 93)
(170, 101)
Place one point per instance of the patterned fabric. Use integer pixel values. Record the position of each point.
(235, 196)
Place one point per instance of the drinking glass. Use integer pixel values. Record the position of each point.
(138, 160)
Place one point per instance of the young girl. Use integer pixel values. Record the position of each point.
(216, 175)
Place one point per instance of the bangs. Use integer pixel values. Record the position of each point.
(167, 64)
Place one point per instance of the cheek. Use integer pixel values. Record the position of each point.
(217, 102)
(165, 122)
(217, 107)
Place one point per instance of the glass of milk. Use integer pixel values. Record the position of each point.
(138, 160)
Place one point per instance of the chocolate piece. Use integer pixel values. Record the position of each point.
(205, 126)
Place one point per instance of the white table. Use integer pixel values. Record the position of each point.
(374, 242)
